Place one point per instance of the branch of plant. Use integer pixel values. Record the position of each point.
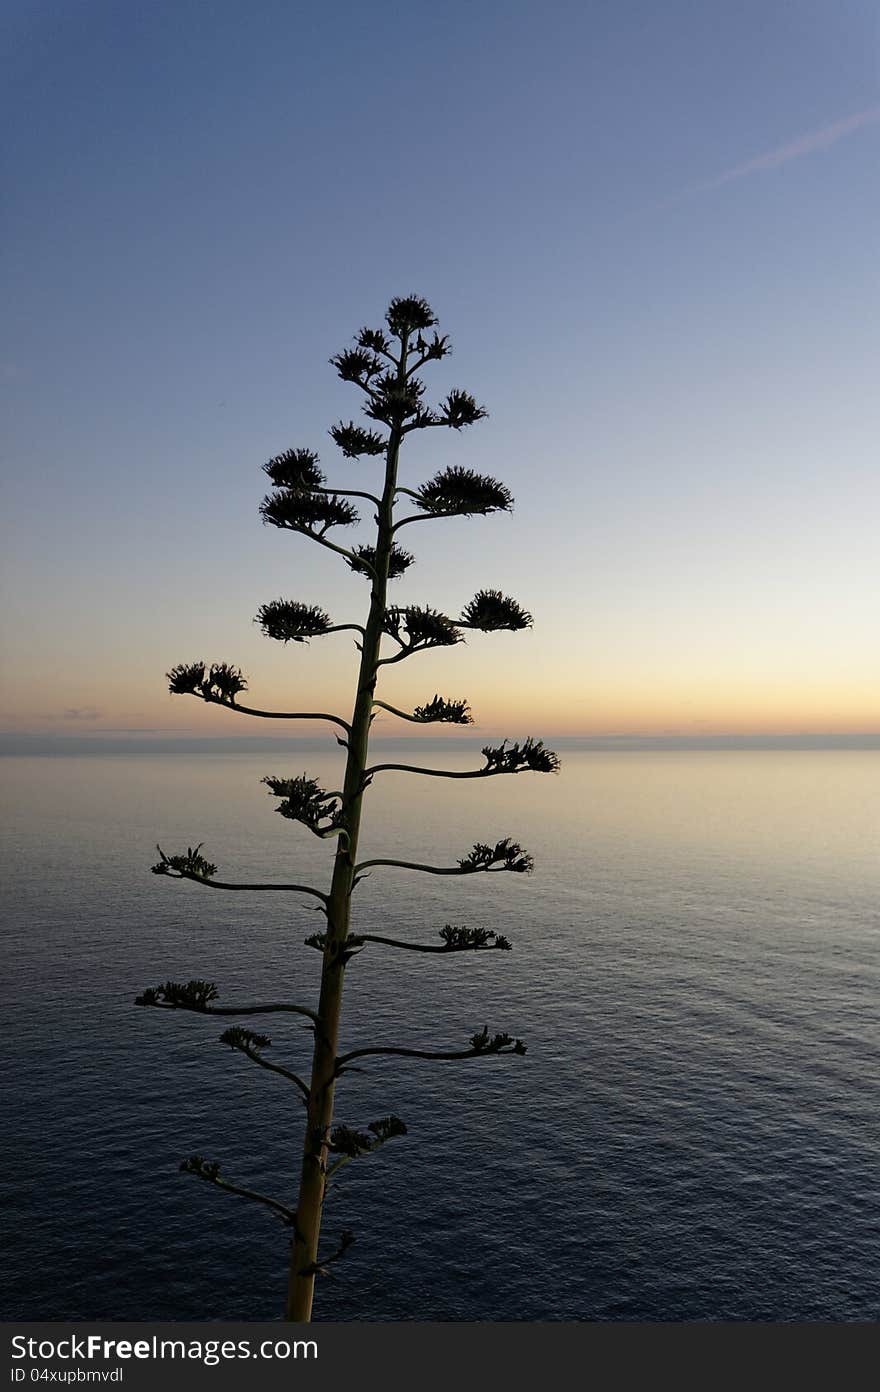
(222, 884)
(274, 1008)
(286, 1214)
(439, 773)
(443, 1055)
(281, 715)
(274, 1068)
(442, 948)
(433, 869)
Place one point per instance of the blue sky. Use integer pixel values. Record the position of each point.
(651, 231)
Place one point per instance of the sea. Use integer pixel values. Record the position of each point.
(692, 1135)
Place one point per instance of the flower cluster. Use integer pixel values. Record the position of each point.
(177, 995)
(504, 855)
(460, 939)
(244, 1039)
(530, 755)
(434, 349)
(365, 561)
(345, 1140)
(408, 313)
(484, 1043)
(192, 865)
(459, 409)
(296, 469)
(304, 800)
(311, 513)
(357, 365)
(386, 1128)
(442, 712)
(351, 945)
(292, 622)
(355, 441)
(490, 611)
(374, 339)
(424, 628)
(220, 683)
(394, 400)
(198, 1165)
(457, 492)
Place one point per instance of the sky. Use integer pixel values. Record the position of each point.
(651, 232)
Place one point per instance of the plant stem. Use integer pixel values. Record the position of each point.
(304, 1253)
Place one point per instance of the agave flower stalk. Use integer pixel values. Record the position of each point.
(383, 364)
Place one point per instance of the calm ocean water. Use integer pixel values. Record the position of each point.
(692, 1135)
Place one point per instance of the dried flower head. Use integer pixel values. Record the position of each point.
(459, 939)
(291, 622)
(393, 401)
(304, 800)
(296, 469)
(374, 339)
(221, 683)
(191, 866)
(490, 611)
(460, 409)
(312, 513)
(399, 561)
(198, 1165)
(354, 441)
(357, 365)
(407, 313)
(386, 1128)
(504, 855)
(440, 711)
(177, 995)
(244, 1039)
(457, 492)
(484, 1043)
(422, 627)
(345, 1140)
(516, 758)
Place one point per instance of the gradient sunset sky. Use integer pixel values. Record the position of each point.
(651, 231)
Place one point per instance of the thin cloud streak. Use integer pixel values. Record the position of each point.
(795, 149)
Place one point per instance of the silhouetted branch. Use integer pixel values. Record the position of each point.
(309, 515)
(482, 1046)
(189, 867)
(431, 773)
(455, 939)
(219, 685)
(209, 1170)
(246, 1042)
(319, 1268)
(437, 711)
(196, 996)
(505, 855)
(296, 715)
(528, 757)
(416, 629)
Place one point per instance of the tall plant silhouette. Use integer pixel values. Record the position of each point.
(383, 365)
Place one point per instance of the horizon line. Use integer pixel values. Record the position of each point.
(16, 743)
